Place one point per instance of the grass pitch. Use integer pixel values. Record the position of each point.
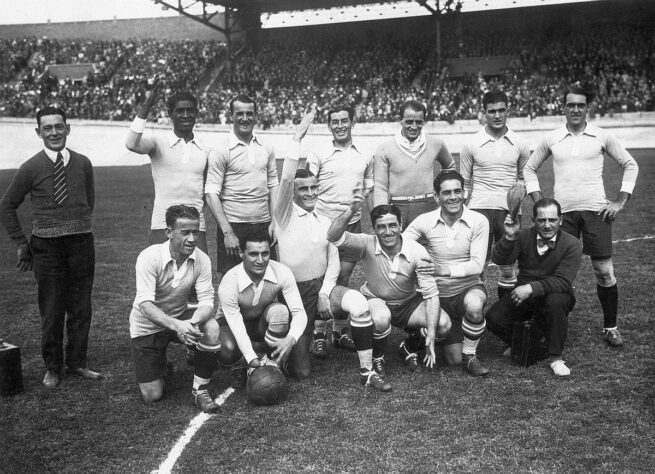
(515, 420)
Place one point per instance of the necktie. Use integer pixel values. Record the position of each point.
(61, 190)
(544, 245)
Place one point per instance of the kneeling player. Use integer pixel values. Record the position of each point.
(391, 270)
(249, 312)
(165, 275)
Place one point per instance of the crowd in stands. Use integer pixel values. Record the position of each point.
(374, 71)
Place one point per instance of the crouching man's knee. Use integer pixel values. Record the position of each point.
(152, 391)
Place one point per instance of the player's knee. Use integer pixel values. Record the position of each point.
(229, 353)
(444, 326)
(604, 272)
(355, 304)
(212, 332)
(277, 319)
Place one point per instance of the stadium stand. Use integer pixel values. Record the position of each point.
(371, 66)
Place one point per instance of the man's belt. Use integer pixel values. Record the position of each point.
(417, 198)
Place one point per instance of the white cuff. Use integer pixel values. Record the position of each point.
(627, 187)
(138, 125)
(531, 187)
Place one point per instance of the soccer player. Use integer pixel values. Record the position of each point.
(249, 312)
(390, 265)
(61, 251)
(404, 165)
(548, 261)
(241, 184)
(178, 160)
(456, 239)
(301, 233)
(490, 164)
(340, 168)
(165, 274)
(578, 149)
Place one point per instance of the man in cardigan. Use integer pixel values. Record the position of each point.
(548, 263)
(404, 165)
(179, 160)
(60, 183)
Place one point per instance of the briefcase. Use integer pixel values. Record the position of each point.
(529, 343)
(11, 374)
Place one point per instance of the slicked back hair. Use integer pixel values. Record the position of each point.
(415, 105)
(254, 236)
(302, 173)
(179, 96)
(446, 175)
(341, 108)
(579, 90)
(244, 99)
(546, 202)
(493, 97)
(383, 210)
(49, 111)
(180, 211)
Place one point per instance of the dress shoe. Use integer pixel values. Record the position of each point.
(85, 373)
(472, 365)
(51, 379)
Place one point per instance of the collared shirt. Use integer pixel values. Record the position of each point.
(542, 249)
(65, 154)
(242, 174)
(578, 167)
(240, 299)
(392, 280)
(462, 247)
(160, 281)
(178, 172)
(490, 167)
(338, 172)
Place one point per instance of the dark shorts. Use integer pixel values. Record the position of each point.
(223, 262)
(496, 218)
(596, 233)
(309, 294)
(350, 255)
(454, 306)
(158, 236)
(149, 352)
(256, 328)
(400, 314)
(411, 210)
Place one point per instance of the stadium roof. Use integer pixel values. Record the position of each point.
(274, 6)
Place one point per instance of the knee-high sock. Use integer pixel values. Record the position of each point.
(320, 327)
(414, 341)
(609, 301)
(380, 343)
(363, 339)
(205, 362)
(472, 334)
(339, 325)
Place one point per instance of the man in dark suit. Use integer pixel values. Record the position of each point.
(61, 252)
(548, 263)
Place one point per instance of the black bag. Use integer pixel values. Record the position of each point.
(11, 374)
(529, 342)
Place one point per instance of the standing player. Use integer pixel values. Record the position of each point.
(178, 160)
(165, 275)
(340, 168)
(549, 261)
(241, 184)
(578, 151)
(404, 165)
(490, 164)
(304, 248)
(456, 238)
(249, 311)
(60, 184)
(391, 268)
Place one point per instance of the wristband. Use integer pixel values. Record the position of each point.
(138, 125)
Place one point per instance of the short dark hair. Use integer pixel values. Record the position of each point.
(254, 236)
(415, 105)
(341, 108)
(546, 202)
(580, 90)
(493, 97)
(179, 96)
(49, 111)
(302, 173)
(180, 211)
(244, 99)
(383, 210)
(446, 175)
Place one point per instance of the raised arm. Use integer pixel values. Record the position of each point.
(445, 159)
(339, 225)
(135, 141)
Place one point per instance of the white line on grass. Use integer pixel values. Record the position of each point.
(645, 237)
(192, 429)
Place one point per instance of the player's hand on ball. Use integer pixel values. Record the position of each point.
(282, 349)
(24, 263)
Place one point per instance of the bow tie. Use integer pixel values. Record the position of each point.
(541, 243)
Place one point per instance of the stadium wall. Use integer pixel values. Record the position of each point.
(166, 28)
(103, 142)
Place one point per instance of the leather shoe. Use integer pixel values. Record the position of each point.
(85, 373)
(472, 365)
(51, 379)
